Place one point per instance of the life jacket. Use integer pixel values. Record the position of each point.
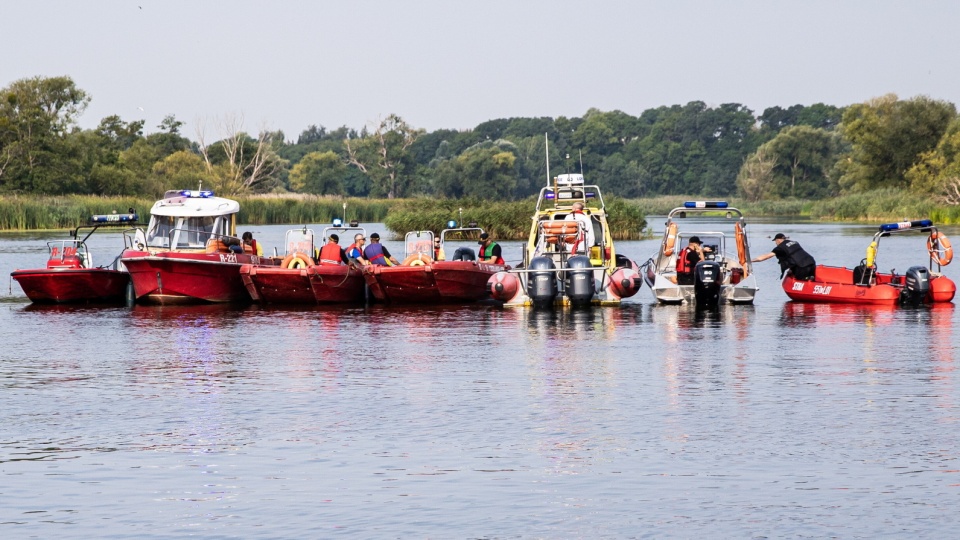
(795, 257)
(354, 251)
(683, 265)
(374, 254)
(329, 255)
(257, 250)
(488, 253)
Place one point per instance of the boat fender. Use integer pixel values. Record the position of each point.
(417, 259)
(297, 260)
(671, 240)
(741, 243)
(871, 253)
(940, 249)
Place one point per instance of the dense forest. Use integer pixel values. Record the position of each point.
(808, 152)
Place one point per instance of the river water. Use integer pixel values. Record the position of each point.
(771, 420)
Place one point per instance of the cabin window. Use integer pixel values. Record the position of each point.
(158, 234)
(195, 231)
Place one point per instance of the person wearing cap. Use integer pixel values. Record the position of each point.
(355, 251)
(490, 251)
(585, 239)
(792, 257)
(687, 261)
(377, 253)
(331, 254)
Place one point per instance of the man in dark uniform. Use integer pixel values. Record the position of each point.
(792, 257)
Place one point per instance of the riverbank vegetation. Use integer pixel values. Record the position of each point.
(878, 159)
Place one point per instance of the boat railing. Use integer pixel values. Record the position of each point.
(563, 197)
(64, 253)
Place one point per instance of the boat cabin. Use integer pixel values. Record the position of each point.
(189, 219)
(558, 232)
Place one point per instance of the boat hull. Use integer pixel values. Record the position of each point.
(277, 285)
(184, 278)
(834, 284)
(668, 292)
(341, 284)
(438, 282)
(73, 285)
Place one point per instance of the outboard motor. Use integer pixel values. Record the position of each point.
(916, 286)
(578, 280)
(542, 283)
(464, 254)
(706, 285)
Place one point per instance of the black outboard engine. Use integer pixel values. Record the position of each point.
(542, 284)
(706, 286)
(464, 254)
(578, 280)
(916, 286)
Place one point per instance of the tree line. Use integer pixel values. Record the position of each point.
(809, 152)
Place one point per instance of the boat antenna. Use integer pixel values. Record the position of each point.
(581, 161)
(546, 147)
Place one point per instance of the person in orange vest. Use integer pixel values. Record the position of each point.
(355, 251)
(687, 260)
(254, 246)
(331, 253)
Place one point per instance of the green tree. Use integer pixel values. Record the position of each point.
(384, 156)
(756, 179)
(319, 172)
(937, 172)
(887, 137)
(35, 116)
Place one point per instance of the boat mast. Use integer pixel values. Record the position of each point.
(546, 147)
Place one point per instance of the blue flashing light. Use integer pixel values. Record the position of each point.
(549, 195)
(451, 224)
(590, 195)
(192, 194)
(337, 222)
(113, 218)
(705, 204)
(887, 227)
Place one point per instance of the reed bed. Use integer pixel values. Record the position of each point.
(504, 219)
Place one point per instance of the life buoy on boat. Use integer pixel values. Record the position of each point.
(671, 240)
(417, 259)
(560, 230)
(297, 260)
(741, 243)
(940, 249)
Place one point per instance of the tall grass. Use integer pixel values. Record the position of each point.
(295, 209)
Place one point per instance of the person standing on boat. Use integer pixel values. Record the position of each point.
(792, 257)
(377, 253)
(490, 251)
(254, 246)
(687, 261)
(584, 239)
(355, 251)
(331, 254)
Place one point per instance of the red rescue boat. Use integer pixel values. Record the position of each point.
(299, 280)
(70, 275)
(864, 285)
(189, 252)
(425, 276)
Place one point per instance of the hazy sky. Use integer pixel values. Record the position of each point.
(454, 64)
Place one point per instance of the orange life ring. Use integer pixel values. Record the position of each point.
(671, 240)
(940, 249)
(297, 260)
(741, 243)
(417, 259)
(560, 230)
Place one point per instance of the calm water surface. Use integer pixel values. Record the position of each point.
(772, 420)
